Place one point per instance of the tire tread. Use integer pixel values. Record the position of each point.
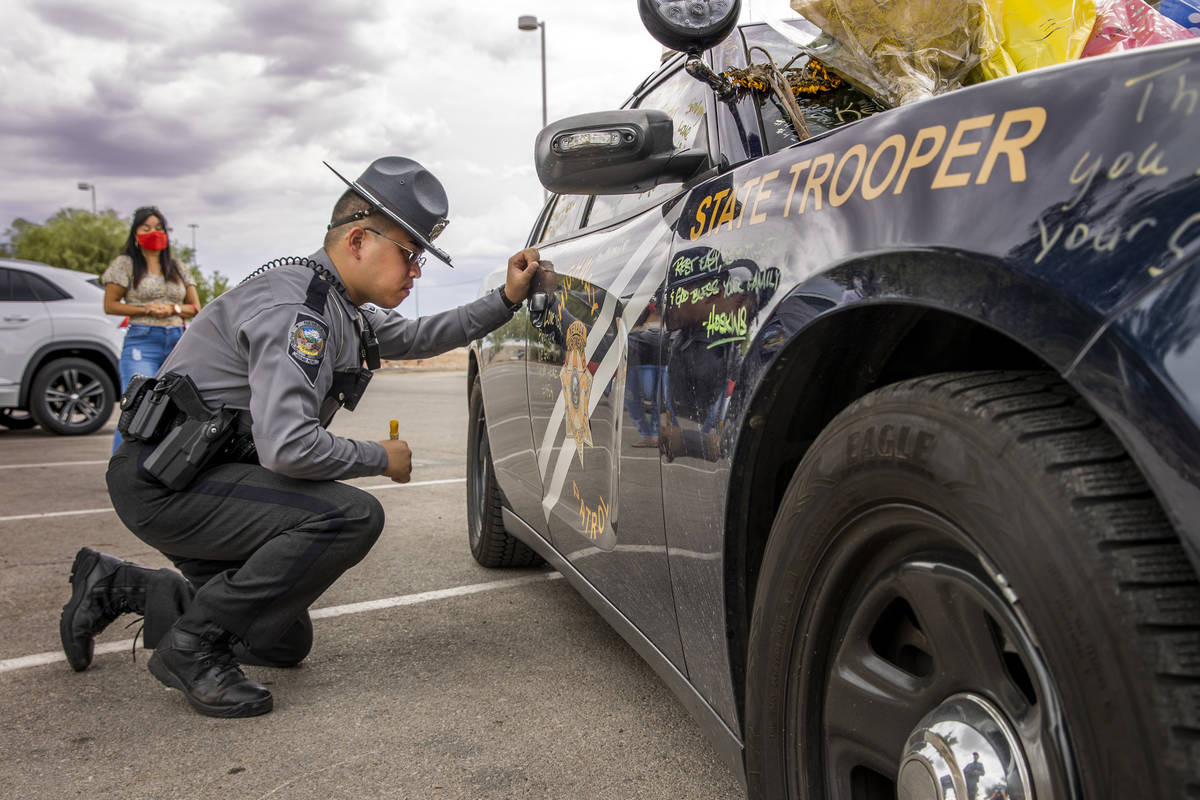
(497, 547)
(1130, 531)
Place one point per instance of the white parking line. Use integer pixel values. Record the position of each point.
(108, 509)
(55, 464)
(104, 510)
(41, 659)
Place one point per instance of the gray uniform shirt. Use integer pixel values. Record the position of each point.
(259, 348)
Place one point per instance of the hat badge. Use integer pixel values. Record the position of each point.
(438, 227)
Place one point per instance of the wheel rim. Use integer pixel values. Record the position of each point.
(74, 398)
(926, 625)
(477, 485)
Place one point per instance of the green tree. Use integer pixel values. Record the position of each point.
(72, 238)
(78, 239)
(208, 287)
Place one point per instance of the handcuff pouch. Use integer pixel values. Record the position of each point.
(146, 409)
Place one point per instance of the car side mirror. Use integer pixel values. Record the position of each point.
(613, 152)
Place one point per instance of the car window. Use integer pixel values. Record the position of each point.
(682, 97)
(44, 289)
(822, 111)
(5, 285)
(566, 216)
(20, 289)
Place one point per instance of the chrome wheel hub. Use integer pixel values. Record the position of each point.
(964, 749)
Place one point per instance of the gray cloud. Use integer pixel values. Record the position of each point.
(82, 19)
(221, 111)
(300, 42)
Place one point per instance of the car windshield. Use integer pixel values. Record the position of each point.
(822, 110)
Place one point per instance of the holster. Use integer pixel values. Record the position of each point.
(189, 434)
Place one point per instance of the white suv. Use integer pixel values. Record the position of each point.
(59, 351)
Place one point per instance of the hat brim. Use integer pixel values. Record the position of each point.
(367, 195)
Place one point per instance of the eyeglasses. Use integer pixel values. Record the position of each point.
(411, 257)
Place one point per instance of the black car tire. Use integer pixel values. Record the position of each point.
(491, 544)
(71, 396)
(977, 533)
(16, 420)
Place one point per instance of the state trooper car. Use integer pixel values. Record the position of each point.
(881, 446)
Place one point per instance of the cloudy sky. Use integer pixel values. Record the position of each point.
(221, 111)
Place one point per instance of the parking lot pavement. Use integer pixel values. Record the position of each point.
(509, 691)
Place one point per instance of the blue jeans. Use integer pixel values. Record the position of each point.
(641, 384)
(146, 348)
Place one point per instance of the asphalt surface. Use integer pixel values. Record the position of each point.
(517, 690)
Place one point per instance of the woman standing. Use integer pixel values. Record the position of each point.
(149, 285)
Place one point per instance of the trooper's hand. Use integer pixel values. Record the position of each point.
(520, 272)
(399, 466)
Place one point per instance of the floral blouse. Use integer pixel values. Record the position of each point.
(152, 289)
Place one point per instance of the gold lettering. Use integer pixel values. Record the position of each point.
(1145, 99)
(1182, 94)
(895, 142)
(716, 205)
(1119, 165)
(701, 218)
(796, 169)
(1078, 235)
(591, 523)
(1173, 244)
(1150, 166)
(1148, 222)
(1048, 241)
(957, 149)
(727, 212)
(916, 159)
(813, 184)
(745, 192)
(1035, 117)
(1106, 246)
(1086, 177)
(755, 217)
(859, 153)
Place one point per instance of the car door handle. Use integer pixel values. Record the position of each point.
(16, 319)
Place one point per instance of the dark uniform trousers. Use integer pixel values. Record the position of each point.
(257, 549)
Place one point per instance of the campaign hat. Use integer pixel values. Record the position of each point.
(406, 193)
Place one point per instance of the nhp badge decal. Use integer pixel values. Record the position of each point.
(306, 345)
(577, 388)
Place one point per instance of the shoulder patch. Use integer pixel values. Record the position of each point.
(306, 344)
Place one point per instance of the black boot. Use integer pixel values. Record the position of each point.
(198, 663)
(102, 589)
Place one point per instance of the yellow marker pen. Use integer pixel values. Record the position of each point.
(394, 429)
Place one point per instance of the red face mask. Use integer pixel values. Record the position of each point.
(154, 240)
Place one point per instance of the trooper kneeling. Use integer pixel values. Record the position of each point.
(230, 471)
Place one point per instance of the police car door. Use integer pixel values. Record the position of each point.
(594, 375)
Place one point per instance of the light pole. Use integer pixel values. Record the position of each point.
(195, 258)
(84, 186)
(528, 22)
